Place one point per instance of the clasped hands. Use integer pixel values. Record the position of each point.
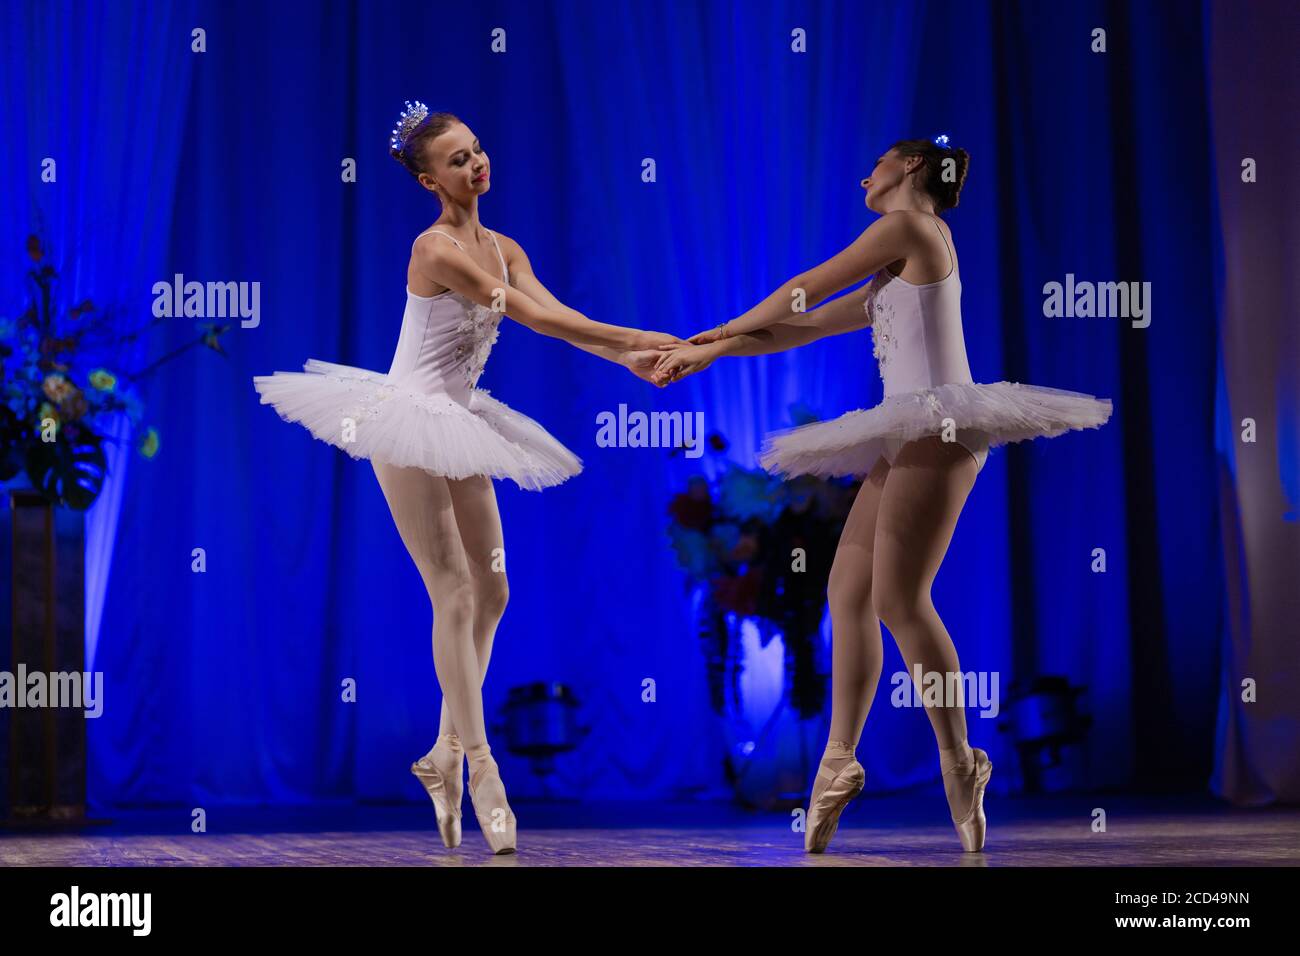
(671, 361)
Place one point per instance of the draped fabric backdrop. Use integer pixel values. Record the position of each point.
(1258, 756)
(226, 165)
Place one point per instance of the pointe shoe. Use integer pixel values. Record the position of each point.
(498, 827)
(445, 794)
(971, 827)
(824, 814)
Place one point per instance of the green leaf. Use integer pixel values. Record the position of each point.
(71, 470)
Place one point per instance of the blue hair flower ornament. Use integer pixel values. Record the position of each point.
(942, 141)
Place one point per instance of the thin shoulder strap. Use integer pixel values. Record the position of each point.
(952, 260)
(505, 273)
(440, 233)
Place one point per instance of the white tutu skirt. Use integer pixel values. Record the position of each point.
(401, 426)
(1003, 411)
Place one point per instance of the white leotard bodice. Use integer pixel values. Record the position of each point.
(917, 331)
(446, 338)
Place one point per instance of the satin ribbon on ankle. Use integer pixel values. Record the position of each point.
(839, 749)
(953, 764)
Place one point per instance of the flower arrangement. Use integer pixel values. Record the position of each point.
(52, 412)
(761, 547)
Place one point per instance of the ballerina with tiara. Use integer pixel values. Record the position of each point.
(435, 439)
(920, 451)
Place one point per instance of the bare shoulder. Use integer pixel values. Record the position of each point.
(917, 233)
(903, 223)
(431, 246)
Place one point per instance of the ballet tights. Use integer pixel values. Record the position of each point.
(889, 553)
(452, 530)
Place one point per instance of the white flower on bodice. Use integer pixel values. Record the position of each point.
(877, 304)
(476, 334)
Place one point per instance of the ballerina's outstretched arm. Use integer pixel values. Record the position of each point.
(886, 240)
(641, 362)
(452, 267)
(844, 314)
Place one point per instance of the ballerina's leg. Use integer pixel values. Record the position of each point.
(923, 497)
(475, 504)
(422, 509)
(856, 652)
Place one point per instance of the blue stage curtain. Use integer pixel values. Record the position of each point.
(225, 686)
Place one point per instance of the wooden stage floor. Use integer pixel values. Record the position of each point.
(876, 831)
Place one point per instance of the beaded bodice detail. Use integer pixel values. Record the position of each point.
(880, 309)
(476, 334)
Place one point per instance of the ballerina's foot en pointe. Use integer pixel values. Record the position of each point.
(442, 773)
(488, 794)
(840, 778)
(966, 771)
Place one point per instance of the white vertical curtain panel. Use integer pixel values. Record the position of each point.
(1256, 138)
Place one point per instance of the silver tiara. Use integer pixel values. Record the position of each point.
(411, 117)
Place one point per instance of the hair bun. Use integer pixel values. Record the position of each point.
(962, 159)
(933, 177)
